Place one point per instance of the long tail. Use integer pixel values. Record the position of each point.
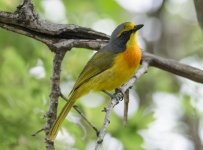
(55, 128)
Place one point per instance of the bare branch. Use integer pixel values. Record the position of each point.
(54, 95)
(80, 43)
(37, 132)
(174, 67)
(25, 21)
(125, 112)
(88, 122)
(114, 101)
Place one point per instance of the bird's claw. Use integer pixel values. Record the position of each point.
(119, 94)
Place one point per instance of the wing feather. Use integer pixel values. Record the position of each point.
(101, 61)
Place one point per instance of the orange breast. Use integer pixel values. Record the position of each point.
(125, 65)
(132, 56)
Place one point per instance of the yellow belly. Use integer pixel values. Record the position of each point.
(124, 67)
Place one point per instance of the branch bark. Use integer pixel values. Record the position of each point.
(174, 67)
(54, 95)
(114, 101)
(25, 21)
(126, 103)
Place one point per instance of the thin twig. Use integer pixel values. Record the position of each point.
(125, 112)
(115, 100)
(54, 95)
(88, 122)
(37, 132)
(82, 115)
(63, 97)
(174, 67)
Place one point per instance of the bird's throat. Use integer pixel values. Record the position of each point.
(132, 54)
(132, 41)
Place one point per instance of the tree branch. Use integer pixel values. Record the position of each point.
(114, 101)
(25, 21)
(174, 67)
(126, 103)
(54, 95)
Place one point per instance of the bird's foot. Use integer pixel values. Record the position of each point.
(119, 94)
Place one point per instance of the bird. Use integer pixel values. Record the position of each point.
(109, 68)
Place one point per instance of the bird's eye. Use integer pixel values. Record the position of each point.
(124, 31)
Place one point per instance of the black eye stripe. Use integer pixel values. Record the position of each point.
(125, 33)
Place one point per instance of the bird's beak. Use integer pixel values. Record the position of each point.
(137, 27)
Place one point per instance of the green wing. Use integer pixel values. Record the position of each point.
(100, 62)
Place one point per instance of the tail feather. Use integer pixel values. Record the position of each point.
(56, 126)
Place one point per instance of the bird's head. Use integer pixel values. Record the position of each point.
(121, 35)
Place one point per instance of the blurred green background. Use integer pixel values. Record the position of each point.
(165, 110)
